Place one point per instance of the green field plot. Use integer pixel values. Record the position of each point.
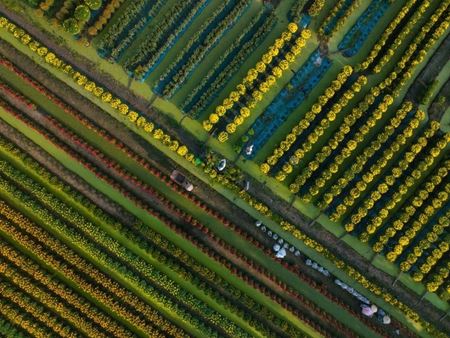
(235, 168)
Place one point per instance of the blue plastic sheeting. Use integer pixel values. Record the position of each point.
(289, 98)
(304, 21)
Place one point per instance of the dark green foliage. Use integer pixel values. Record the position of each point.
(72, 26)
(82, 13)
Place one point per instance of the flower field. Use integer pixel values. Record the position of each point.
(319, 179)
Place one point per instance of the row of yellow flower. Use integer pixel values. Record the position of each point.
(350, 148)
(339, 136)
(418, 59)
(22, 320)
(405, 75)
(374, 171)
(409, 210)
(335, 15)
(247, 86)
(436, 255)
(99, 92)
(73, 306)
(442, 275)
(25, 304)
(302, 178)
(90, 286)
(60, 255)
(309, 117)
(401, 191)
(422, 219)
(387, 82)
(383, 187)
(425, 243)
(56, 304)
(406, 29)
(349, 175)
(316, 7)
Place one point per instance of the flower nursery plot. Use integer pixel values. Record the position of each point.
(311, 138)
